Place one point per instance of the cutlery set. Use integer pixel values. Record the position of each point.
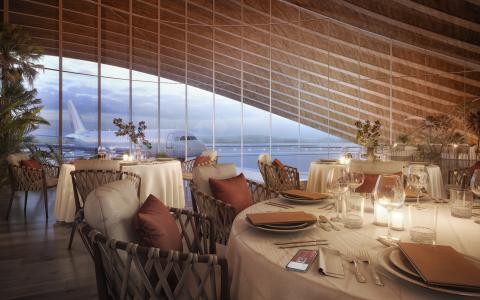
(298, 244)
(276, 204)
(363, 256)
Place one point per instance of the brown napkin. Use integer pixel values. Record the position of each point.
(304, 195)
(442, 265)
(275, 218)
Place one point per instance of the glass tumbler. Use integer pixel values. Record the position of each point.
(423, 223)
(461, 201)
(354, 217)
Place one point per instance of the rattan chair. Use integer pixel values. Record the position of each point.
(223, 213)
(125, 270)
(34, 180)
(188, 165)
(85, 181)
(280, 179)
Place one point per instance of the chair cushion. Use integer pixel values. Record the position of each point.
(210, 153)
(202, 174)
(96, 164)
(156, 227)
(16, 158)
(377, 167)
(110, 208)
(233, 191)
(201, 161)
(31, 163)
(51, 182)
(265, 158)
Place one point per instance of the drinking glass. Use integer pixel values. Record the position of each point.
(337, 184)
(417, 178)
(113, 151)
(461, 201)
(389, 193)
(355, 179)
(102, 152)
(423, 223)
(354, 217)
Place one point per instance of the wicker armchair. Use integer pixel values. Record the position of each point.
(126, 270)
(35, 180)
(280, 180)
(188, 165)
(85, 181)
(223, 213)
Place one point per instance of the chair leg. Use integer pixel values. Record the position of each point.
(25, 205)
(45, 198)
(12, 195)
(72, 234)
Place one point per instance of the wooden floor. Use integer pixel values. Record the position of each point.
(34, 260)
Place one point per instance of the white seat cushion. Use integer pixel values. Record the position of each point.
(96, 164)
(211, 153)
(201, 175)
(16, 158)
(110, 209)
(265, 158)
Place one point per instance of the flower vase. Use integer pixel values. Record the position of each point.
(138, 152)
(370, 154)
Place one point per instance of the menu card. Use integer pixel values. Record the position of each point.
(275, 218)
(304, 195)
(442, 265)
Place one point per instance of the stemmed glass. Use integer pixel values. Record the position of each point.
(102, 152)
(417, 178)
(475, 183)
(390, 194)
(113, 151)
(355, 179)
(337, 184)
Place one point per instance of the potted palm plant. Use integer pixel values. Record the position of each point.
(19, 106)
(367, 136)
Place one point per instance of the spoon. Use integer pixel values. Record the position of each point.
(323, 219)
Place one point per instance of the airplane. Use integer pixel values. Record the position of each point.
(172, 141)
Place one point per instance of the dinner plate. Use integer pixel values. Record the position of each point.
(286, 226)
(384, 261)
(303, 200)
(400, 261)
(283, 230)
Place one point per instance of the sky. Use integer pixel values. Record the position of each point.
(82, 91)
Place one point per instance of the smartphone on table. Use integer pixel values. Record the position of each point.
(302, 260)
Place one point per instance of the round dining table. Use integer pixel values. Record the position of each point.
(163, 179)
(317, 175)
(257, 266)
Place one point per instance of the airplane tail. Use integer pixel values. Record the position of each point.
(77, 122)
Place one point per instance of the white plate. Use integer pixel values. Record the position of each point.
(282, 230)
(286, 226)
(400, 261)
(302, 200)
(384, 261)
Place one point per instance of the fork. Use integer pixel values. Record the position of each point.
(350, 256)
(364, 256)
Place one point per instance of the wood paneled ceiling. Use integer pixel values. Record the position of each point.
(323, 63)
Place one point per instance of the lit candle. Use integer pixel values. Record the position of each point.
(125, 157)
(397, 220)
(380, 214)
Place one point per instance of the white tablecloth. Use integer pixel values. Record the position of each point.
(162, 179)
(435, 187)
(317, 176)
(258, 270)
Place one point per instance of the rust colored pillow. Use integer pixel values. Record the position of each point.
(31, 163)
(369, 182)
(233, 191)
(201, 161)
(156, 227)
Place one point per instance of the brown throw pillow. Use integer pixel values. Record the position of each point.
(31, 163)
(233, 191)
(369, 182)
(156, 227)
(201, 161)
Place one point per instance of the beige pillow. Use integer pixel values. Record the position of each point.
(202, 174)
(265, 158)
(16, 158)
(96, 164)
(377, 167)
(110, 208)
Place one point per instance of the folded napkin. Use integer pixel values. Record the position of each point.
(442, 265)
(304, 195)
(286, 217)
(330, 262)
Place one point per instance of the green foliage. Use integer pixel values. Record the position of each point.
(368, 133)
(49, 156)
(19, 107)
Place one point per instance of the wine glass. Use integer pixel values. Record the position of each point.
(417, 178)
(355, 179)
(475, 183)
(113, 151)
(390, 194)
(337, 184)
(102, 152)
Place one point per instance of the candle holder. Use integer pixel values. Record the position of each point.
(398, 220)
(380, 215)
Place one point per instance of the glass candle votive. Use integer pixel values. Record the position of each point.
(423, 223)
(461, 201)
(380, 215)
(354, 217)
(397, 220)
